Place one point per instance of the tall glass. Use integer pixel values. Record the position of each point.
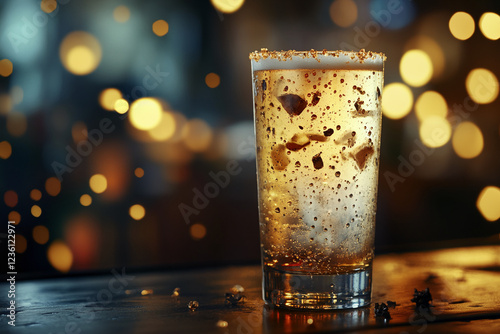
(317, 123)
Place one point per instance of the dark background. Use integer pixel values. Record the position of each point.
(434, 206)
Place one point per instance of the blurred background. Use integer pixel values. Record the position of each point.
(117, 116)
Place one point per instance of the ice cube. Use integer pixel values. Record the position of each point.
(292, 103)
(298, 141)
(362, 155)
(317, 137)
(279, 158)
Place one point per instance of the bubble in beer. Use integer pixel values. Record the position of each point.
(328, 132)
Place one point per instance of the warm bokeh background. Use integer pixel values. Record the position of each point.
(115, 115)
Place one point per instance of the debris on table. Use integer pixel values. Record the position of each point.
(176, 292)
(382, 311)
(233, 299)
(391, 304)
(235, 296)
(222, 324)
(422, 298)
(193, 305)
(146, 292)
(237, 289)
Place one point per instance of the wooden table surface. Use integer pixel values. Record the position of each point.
(464, 282)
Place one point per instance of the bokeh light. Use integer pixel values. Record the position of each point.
(139, 172)
(17, 94)
(40, 234)
(36, 211)
(21, 244)
(6, 67)
(35, 194)
(108, 98)
(112, 161)
(10, 198)
(48, 6)
(343, 12)
(80, 53)
(212, 80)
(392, 14)
(467, 140)
(165, 128)
(98, 183)
(197, 135)
(145, 113)
(5, 149)
(416, 68)
(488, 203)
(227, 6)
(15, 217)
(121, 14)
(461, 25)
(430, 103)
(197, 231)
(5, 104)
(82, 234)
(85, 200)
(79, 132)
(435, 131)
(397, 100)
(52, 186)
(137, 211)
(121, 106)
(16, 124)
(433, 49)
(60, 256)
(160, 27)
(489, 23)
(482, 85)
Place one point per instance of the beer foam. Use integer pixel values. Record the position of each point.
(283, 60)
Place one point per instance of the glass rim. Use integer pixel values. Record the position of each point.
(313, 59)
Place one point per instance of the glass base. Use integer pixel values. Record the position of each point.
(294, 290)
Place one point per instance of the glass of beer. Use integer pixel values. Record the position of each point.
(317, 123)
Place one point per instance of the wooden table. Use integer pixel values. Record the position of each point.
(464, 282)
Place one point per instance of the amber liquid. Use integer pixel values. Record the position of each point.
(318, 144)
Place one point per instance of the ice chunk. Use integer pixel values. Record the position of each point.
(292, 103)
(298, 141)
(279, 158)
(362, 155)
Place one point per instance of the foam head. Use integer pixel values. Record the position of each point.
(281, 60)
